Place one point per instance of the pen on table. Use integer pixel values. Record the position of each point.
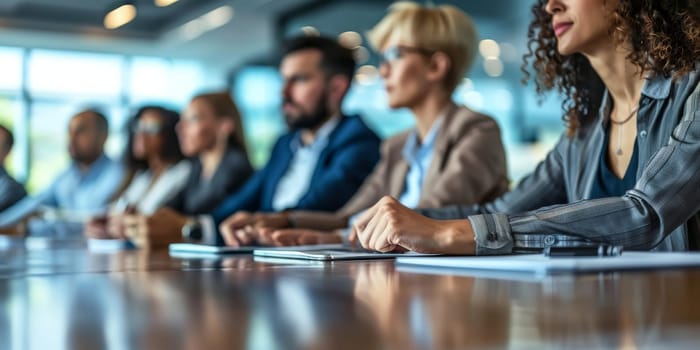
(600, 251)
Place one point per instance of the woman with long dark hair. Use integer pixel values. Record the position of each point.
(161, 170)
(158, 170)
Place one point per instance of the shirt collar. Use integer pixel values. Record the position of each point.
(657, 87)
(322, 135)
(95, 167)
(412, 149)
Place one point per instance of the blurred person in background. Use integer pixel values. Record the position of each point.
(81, 191)
(161, 171)
(211, 132)
(452, 156)
(11, 191)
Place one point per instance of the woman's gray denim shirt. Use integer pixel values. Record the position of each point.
(551, 206)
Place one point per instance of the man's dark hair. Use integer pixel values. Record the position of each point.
(101, 122)
(9, 140)
(335, 58)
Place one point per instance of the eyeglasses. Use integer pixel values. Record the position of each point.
(147, 128)
(190, 118)
(395, 52)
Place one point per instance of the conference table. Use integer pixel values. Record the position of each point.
(60, 295)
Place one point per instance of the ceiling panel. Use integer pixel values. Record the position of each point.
(72, 16)
(255, 30)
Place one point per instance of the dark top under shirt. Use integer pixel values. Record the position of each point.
(201, 196)
(606, 184)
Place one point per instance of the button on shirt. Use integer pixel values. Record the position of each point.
(74, 192)
(418, 156)
(297, 179)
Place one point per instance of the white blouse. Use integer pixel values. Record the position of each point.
(148, 200)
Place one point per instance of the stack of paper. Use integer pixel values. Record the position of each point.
(536, 263)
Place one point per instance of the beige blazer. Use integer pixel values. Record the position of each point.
(468, 166)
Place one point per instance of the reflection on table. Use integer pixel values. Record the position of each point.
(62, 296)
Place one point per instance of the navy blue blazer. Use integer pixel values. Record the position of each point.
(351, 154)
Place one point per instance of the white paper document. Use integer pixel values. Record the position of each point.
(108, 245)
(537, 263)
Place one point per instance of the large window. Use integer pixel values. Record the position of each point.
(69, 74)
(257, 92)
(48, 130)
(160, 80)
(37, 100)
(10, 69)
(11, 107)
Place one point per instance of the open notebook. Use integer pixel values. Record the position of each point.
(536, 263)
(330, 254)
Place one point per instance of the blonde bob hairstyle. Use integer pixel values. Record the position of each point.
(443, 28)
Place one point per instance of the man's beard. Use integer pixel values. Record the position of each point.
(311, 120)
(85, 159)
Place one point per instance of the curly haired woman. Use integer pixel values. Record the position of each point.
(626, 173)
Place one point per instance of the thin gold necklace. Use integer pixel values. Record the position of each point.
(618, 151)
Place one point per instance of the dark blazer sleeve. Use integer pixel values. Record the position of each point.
(348, 165)
(249, 196)
(11, 192)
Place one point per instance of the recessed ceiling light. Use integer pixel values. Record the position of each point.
(164, 3)
(489, 48)
(206, 22)
(493, 67)
(350, 39)
(123, 13)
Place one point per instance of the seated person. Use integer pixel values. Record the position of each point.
(82, 190)
(11, 191)
(431, 165)
(626, 173)
(318, 165)
(211, 131)
(160, 170)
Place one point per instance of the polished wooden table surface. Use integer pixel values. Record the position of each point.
(66, 297)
